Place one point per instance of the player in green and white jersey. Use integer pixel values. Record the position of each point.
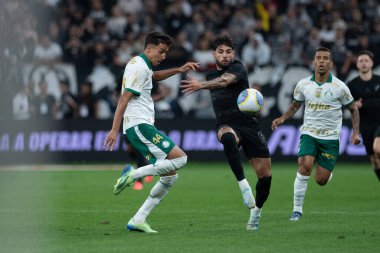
(137, 108)
(323, 96)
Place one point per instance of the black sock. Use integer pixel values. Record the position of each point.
(262, 190)
(377, 171)
(231, 152)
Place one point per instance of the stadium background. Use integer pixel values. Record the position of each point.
(74, 43)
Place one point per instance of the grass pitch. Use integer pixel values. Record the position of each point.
(74, 210)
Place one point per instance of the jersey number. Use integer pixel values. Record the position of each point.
(157, 139)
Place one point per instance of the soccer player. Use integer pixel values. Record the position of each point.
(235, 128)
(136, 105)
(366, 91)
(323, 95)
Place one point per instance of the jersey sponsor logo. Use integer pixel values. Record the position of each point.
(318, 106)
(328, 156)
(133, 60)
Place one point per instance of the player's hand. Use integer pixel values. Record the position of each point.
(190, 85)
(189, 66)
(359, 103)
(110, 141)
(276, 123)
(355, 139)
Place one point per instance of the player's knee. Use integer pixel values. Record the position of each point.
(376, 150)
(228, 139)
(179, 162)
(321, 181)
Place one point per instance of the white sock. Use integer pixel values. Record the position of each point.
(158, 192)
(243, 184)
(256, 211)
(249, 200)
(159, 168)
(300, 186)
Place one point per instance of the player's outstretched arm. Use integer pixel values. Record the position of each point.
(110, 140)
(163, 74)
(192, 85)
(293, 108)
(355, 119)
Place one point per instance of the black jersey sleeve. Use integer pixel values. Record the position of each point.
(238, 70)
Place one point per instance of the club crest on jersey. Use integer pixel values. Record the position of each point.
(165, 144)
(328, 94)
(318, 92)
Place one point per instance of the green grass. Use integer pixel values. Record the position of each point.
(76, 211)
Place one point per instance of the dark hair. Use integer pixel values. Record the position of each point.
(222, 40)
(366, 52)
(325, 49)
(157, 38)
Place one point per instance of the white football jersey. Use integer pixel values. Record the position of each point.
(323, 106)
(137, 79)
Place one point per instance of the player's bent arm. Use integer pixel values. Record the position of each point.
(111, 138)
(219, 82)
(293, 108)
(163, 74)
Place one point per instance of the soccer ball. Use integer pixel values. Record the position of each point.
(250, 101)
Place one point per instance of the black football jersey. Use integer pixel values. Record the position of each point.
(224, 100)
(369, 91)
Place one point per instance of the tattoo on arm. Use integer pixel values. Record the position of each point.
(219, 82)
(355, 118)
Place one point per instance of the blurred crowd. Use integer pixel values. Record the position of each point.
(98, 37)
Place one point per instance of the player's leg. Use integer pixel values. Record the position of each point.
(328, 152)
(159, 149)
(263, 185)
(158, 192)
(228, 137)
(256, 150)
(305, 166)
(306, 157)
(375, 158)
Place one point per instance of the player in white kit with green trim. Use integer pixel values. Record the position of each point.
(137, 108)
(323, 96)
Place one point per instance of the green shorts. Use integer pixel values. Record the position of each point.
(151, 143)
(326, 152)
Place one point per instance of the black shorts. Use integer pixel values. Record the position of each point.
(251, 139)
(369, 133)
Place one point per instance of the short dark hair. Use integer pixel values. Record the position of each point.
(325, 49)
(366, 52)
(157, 38)
(222, 40)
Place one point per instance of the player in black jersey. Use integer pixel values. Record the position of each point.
(366, 91)
(235, 128)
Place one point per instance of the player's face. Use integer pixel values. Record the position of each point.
(223, 55)
(364, 63)
(156, 53)
(322, 62)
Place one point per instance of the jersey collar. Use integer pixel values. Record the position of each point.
(145, 58)
(329, 79)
